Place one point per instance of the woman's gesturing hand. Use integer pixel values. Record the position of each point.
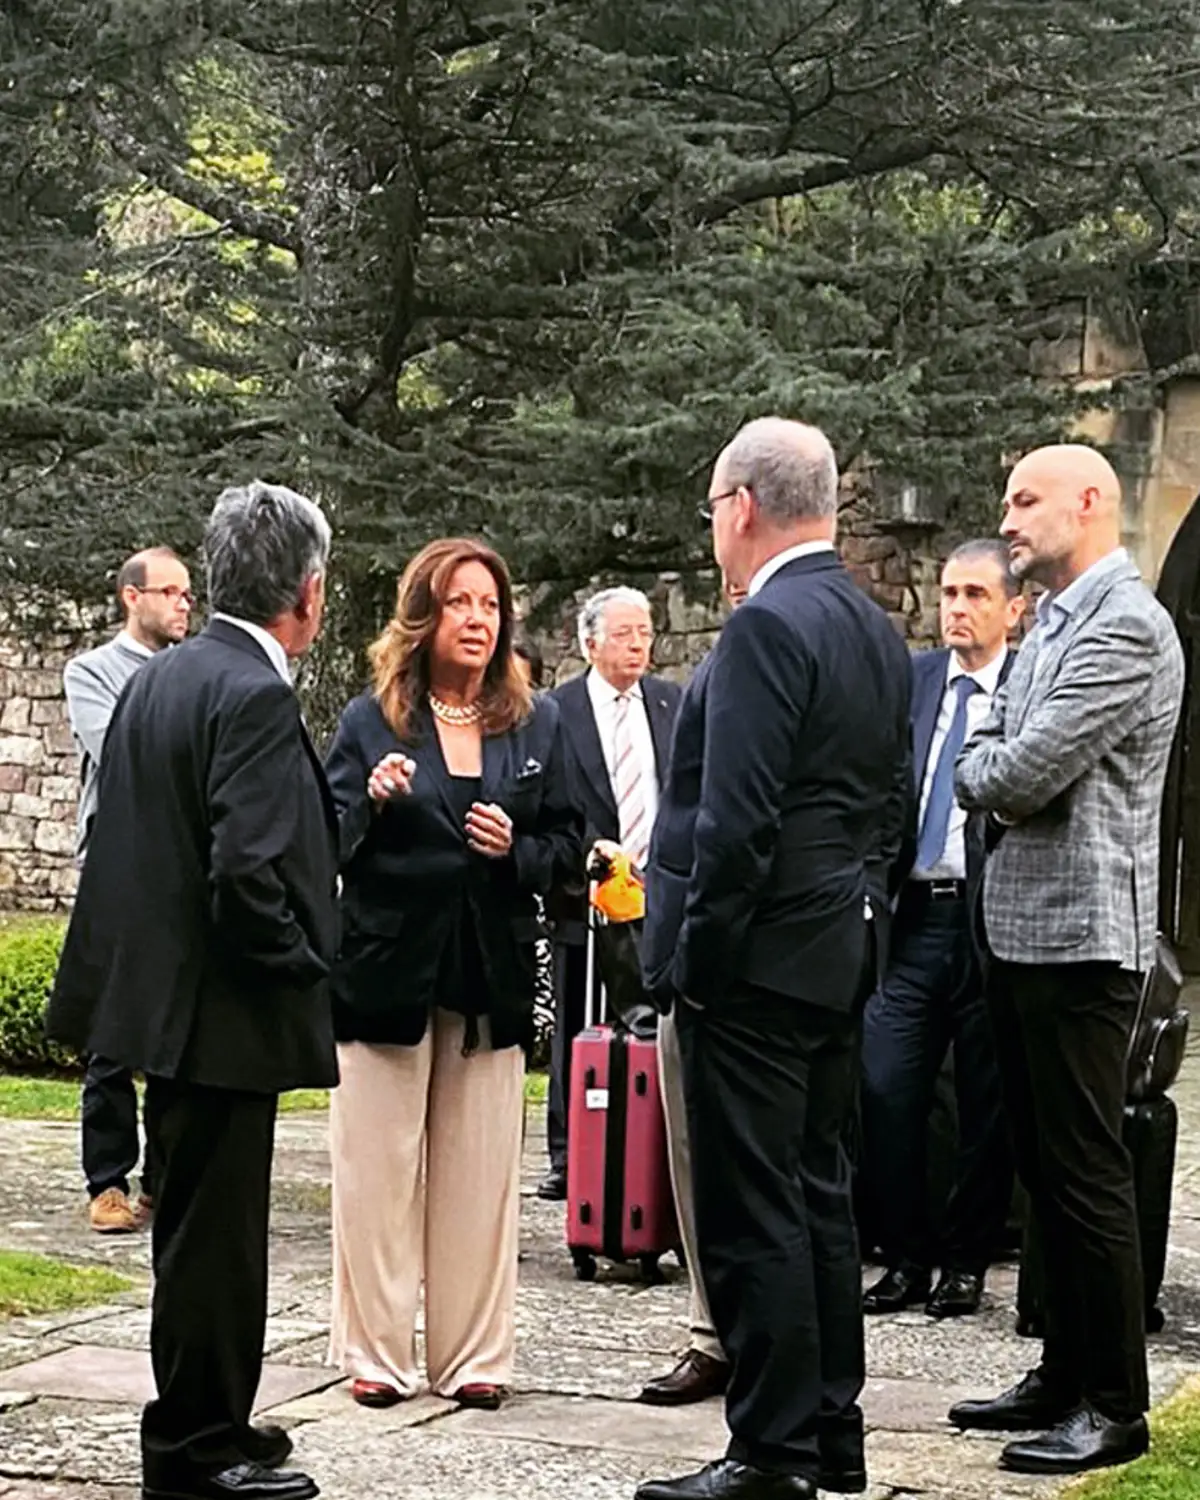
(392, 777)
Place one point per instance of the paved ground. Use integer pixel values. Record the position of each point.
(70, 1384)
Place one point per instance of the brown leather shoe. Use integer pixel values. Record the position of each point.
(143, 1209)
(695, 1378)
(111, 1212)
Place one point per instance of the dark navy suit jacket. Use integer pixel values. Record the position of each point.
(591, 786)
(787, 799)
(929, 689)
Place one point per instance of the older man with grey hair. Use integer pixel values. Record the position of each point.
(788, 791)
(616, 720)
(198, 952)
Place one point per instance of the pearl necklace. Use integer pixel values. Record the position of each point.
(453, 713)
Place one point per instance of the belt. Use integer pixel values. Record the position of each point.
(936, 890)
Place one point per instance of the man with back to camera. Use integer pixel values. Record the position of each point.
(789, 786)
(1070, 766)
(198, 952)
(615, 714)
(932, 990)
(154, 592)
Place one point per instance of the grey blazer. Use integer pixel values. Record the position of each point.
(93, 682)
(1073, 757)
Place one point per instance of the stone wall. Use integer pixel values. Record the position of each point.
(898, 566)
(39, 771)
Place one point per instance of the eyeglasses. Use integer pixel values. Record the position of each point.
(171, 592)
(706, 507)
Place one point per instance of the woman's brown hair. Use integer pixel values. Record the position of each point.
(400, 657)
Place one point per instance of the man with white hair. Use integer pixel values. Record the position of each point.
(198, 952)
(617, 719)
(789, 791)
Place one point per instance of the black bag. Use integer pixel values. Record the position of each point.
(1149, 1133)
(1159, 1036)
(618, 958)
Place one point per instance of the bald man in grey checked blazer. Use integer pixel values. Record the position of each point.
(1071, 764)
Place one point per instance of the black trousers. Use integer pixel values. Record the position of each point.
(770, 1083)
(1062, 1031)
(931, 999)
(209, 1310)
(109, 1129)
(570, 977)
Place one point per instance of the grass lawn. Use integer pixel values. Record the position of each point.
(1170, 1471)
(24, 1098)
(35, 1283)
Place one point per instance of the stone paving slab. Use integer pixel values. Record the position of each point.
(92, 1372)
(336, 1402)
(57, 1439)
(571, 1430)
(32, 1489)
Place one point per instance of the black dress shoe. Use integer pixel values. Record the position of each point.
(1026, 1407)
(843, 1462)
(695, 1378)
(1086, 1440)
(901, 1287)
(956, 1295)
(553, 1187)
(729, 1480)
(842, 1479)
(267, 1445)
(242, 1482)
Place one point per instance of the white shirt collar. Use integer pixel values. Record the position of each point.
(276, 655)
(781, 560)
(602, 690)
(131, 643)
(988, 677)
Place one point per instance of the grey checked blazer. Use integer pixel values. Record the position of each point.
(1073, 755)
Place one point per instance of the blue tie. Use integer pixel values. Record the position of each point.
(936, 823)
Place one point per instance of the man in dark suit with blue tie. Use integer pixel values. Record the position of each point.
(932, 992)
(789, 788)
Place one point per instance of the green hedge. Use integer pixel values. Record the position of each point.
(29, 952)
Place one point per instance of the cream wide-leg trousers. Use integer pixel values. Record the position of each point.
(426, 1149)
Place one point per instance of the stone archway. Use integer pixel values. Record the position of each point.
(1179, 880)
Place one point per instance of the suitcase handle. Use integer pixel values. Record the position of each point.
(590, 987)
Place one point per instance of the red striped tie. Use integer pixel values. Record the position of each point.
(627, 782)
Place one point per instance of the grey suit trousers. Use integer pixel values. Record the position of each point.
(703, 1337)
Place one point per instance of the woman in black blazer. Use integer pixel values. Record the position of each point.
(454, 813)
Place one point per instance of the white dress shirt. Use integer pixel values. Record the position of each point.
(953, 863)
(603, 698)
(781, 560)
(276, 655)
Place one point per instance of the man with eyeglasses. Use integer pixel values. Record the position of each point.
(616, 718)
(154, 593)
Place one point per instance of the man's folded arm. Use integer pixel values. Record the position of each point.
(1095, 700)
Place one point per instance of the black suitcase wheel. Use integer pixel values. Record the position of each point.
(585, 1265)
(651, 1271)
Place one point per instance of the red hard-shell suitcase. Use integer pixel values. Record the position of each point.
(619, 1201)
